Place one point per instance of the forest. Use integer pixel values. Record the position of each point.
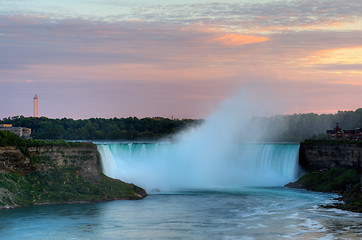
(130, 128)
(279, 128)
(299, 127)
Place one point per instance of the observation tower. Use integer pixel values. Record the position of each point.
(36, 106)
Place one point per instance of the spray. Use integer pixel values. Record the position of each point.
(226, 151)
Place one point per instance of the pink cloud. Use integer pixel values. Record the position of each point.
(233, 39)
(142, 68)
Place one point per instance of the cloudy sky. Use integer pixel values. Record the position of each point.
(120, 58)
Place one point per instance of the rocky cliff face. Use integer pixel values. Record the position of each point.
(13, 160)
(45, 158)
(316, 155)
(83, 156)
(57, 174)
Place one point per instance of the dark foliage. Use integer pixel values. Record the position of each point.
(280, 128)
(130, 128)
(298, 127)
(10, 139)
(62, 186)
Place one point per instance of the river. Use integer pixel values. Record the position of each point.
(205, 193)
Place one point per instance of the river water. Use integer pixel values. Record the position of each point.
(250, 213)
(236, 193)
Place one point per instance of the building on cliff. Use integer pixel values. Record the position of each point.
(338, 134)
(20, 131)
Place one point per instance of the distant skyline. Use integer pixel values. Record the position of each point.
(146, 58)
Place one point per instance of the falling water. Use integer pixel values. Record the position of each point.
(168, 167)
(224, 152)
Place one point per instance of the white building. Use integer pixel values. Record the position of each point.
(20, 131)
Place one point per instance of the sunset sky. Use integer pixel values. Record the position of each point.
(120, 58)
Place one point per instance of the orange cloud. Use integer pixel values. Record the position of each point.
(221, 35)
(337, 24)
(351, 55)
(233, 39)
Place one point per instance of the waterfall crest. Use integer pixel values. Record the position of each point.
(171, 167)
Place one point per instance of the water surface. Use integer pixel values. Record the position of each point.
(249, 213)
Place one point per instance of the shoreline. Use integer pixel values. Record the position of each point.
(341, 181)
(7, 207)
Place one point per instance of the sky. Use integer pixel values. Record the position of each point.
(158, 58)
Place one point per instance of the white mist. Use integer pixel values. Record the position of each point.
(221, 153)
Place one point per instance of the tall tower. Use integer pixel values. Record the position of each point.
(36, 106)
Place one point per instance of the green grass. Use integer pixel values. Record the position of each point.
(62, 185)
(345, 182)
(333, 180)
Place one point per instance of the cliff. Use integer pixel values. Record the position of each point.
(333, 166)
(57, 173)
(319, 155)
(45, 158)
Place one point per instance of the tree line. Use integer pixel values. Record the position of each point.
(279, 128)
(130, 128)
(298, 127)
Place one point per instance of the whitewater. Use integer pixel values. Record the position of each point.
(225, 151)
(171, 166)
(220, 180)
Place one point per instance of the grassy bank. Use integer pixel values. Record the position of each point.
(345, 182)
(60, 186)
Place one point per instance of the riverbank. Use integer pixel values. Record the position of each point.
(345, 182)
(38, 173)
(332, 166)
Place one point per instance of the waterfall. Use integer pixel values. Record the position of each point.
(174, 166)
(224, 152)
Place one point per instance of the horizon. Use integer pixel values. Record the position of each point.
(143, 58)
(171, 118)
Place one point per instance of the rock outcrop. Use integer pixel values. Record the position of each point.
(49, 174)
(320, 155)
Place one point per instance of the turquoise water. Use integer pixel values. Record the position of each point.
(249, 213)
(232, 191)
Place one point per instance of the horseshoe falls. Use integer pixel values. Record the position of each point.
(214, 181)
(224, 152)
(171, 166)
